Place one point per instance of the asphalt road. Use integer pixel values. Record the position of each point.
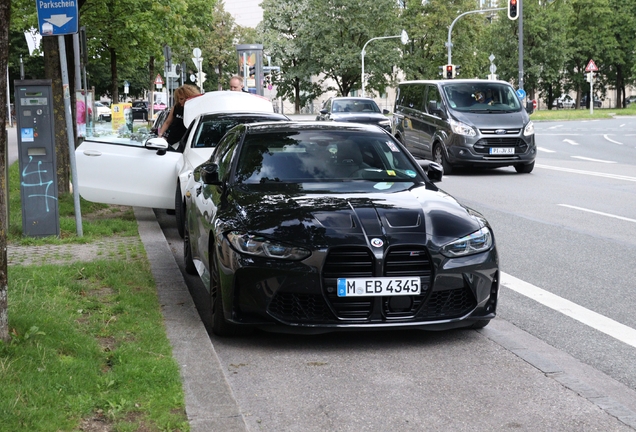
(543, 364)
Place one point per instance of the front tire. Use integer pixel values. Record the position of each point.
(190, 268)
(524, 168)
(220, 326)
(179, 210)
(438, 156)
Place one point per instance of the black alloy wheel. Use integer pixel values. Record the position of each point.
(220, 326)
(179, 210)
(438, 156)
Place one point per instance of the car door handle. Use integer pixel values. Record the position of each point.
(92, 153)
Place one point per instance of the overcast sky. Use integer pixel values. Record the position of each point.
(247, 13)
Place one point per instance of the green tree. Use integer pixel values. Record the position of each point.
(284, 35)
(335, 33)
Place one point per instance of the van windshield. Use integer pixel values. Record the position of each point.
(488, 97)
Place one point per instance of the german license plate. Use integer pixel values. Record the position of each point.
(502, 150)
(382, 286)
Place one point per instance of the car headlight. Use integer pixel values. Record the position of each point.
(384, 122)
(462, 128)
(259, 246)
(477, 242)
(529, 130)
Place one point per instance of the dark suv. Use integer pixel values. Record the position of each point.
(140, 110)
(597, 102)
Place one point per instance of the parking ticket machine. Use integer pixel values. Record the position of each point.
(36, 149)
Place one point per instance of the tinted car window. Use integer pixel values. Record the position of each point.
(212, 128)
(310, 156)
(412, 96)
(483, 96)
(433, 95)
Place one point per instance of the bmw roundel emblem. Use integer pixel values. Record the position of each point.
(376, 242)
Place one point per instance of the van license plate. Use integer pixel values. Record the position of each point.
(380, 286)
(502, 150)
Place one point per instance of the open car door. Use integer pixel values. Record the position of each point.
(127, 172)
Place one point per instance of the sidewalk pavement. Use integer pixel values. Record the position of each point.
(210, 404)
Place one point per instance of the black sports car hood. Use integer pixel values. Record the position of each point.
(317, 220)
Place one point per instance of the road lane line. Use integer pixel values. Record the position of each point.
(592, 160)
(546, 150)
(598, 213)
(590, 318)
(569, 141)
(611, 140)
(590, 173)
(555, 127)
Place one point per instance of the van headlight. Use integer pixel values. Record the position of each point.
(477, 242)
(529, 130)
(259, 246)
(462, 128)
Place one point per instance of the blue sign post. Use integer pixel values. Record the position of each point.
(57, 17)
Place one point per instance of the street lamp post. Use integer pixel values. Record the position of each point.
(449, 44)
(404, 37)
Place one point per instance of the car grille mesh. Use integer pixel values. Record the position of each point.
(360, 262)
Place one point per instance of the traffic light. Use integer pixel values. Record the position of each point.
(513, 9)
(457, 69)
(441, 71)
(450, 71)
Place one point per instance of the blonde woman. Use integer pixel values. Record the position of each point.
(173, 128)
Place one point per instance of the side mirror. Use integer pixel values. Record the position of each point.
(434, 108)
(530, 107)
(323, 111)
(386, 111)
(159, 144)
(210, 174)
(433, 170)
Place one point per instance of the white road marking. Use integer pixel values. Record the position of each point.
(569, 141)
(611, 140)
(622, 125)
(592, 160)
(590, 318)
(555, 127)
(598, 213)
(590, 173)
(545, 150)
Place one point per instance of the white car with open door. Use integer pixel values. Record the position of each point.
(137, 169)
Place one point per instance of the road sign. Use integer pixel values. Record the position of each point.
(57, 17)
(493, 68)
(158, 80)
(591, 67)
(521, 93)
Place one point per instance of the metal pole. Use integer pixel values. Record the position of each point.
(449, 44)
(70, 133)
(521, 44)
(9, 102)
(362, 53)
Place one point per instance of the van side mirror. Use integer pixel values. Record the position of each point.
(434, 107)
(530, 107)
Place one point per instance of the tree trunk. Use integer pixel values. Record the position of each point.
(5, 15)
(113, 75)
(53, 71)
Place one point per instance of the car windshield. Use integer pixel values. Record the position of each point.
(489, 97)
(323, 156)
(355, 106)
(212, 128)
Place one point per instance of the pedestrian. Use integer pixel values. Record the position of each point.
(82, 116)
(173, 128)
(236, 83)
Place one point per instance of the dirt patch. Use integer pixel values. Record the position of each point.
(111, 212)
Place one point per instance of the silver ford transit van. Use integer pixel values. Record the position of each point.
(464, 123)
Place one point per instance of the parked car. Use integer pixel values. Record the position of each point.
(630, 100)
(147, 171)
(354, 109)
(565, 101)
(465, 123)
(140, 110)
(307, 226)
(103, 112)
(597, 102)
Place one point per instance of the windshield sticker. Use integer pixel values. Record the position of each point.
(410, 173)
(393, 147)
(383, 186)
(390, 173)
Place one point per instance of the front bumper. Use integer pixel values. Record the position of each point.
(301, 296)
(477, 151)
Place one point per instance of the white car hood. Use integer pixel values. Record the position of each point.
(224, 101)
